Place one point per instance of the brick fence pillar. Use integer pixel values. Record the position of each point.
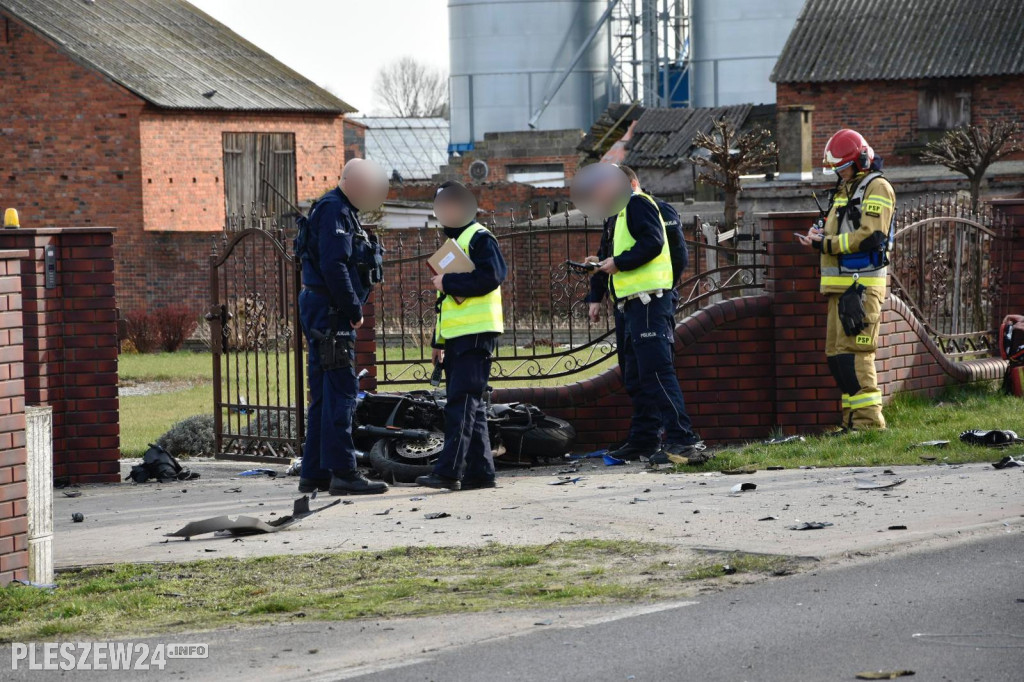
(806, 396)
(366, 346)
(13, 456)
(71, 345)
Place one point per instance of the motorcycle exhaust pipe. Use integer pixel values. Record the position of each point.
(393, 432)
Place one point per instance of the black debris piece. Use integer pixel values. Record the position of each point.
(900, 527)
(383, 513)
(78, 517)
(775, 468)
(437, 515)
(743, 487)
(884, 674)
(995, 438)
(810, 525)
(1007, 463)
(72, 493)
(566, 480)
(159, 464)
(769, 518)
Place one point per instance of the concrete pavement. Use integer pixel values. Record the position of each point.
(127, 522)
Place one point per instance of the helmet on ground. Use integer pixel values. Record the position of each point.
(845, 148)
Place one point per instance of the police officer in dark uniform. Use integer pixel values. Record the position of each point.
(470, 319)
(636, 265)
(330, 309)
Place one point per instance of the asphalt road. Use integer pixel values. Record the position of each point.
(824, 626)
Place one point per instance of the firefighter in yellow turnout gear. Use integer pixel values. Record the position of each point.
(854, 242)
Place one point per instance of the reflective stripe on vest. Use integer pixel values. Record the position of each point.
(476, 314)
(655, 275)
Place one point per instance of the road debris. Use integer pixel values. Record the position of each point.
(769, 518)
(610, 461)
(259, 472)
(868, 484)
(78, 517)
(383, 513)
(775, 468)
(740, 470)
(72, 493)
(884, 674)
(779, 440)
(931, 444)
(159, 464)
(248, 525)
(995, 438)
(743, 487)
(565, 480)
(1007, 463)
(437, 515)
(900, 527)
(810, 525)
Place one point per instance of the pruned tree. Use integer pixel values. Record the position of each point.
(726, 155)
(970, 150)
(412, 89)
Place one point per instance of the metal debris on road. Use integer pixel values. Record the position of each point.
(868, 484)
(248, 525)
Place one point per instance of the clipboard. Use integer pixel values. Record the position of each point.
(448, 259)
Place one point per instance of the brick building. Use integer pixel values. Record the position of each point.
(902, 73)
(151, 117)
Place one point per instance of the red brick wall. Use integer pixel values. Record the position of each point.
(183, 162)
(71, 346)
(885, 112)
(13, 488)
(749, 364)
(504, 200)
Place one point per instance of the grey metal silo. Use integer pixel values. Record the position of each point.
(506, 54)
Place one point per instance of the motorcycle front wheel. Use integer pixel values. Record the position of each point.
(402, 460)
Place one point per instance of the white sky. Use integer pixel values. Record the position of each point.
(340, 44)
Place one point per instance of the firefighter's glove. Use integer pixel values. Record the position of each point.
(851, 310)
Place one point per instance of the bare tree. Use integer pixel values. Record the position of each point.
(970, 150)
(412, 89)
(727, 155)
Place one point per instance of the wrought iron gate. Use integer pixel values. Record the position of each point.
(258, 392)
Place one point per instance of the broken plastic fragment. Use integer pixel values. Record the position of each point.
(884, 674)
(567, 479)
(437, 515)
(610, 461)
(931, 444)
(810, 525)
(897, 528)
(784, 439)
(992, 439)
(868, 484)
(1007, 462)
(769, 518)
(743, 487)
(259, 472)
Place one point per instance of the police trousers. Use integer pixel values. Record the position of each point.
(645, 335)
(467, 443)
(328, 447)
(851, 360)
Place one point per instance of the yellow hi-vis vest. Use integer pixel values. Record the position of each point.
(655, 275)
(476, 314)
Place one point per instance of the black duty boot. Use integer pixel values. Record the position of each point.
(478, 483)
(631, 453)
(309, 485)
(439, 482)
(354, 483)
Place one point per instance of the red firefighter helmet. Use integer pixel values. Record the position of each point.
(847, 147)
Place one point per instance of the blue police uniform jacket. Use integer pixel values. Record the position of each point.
(333, 223)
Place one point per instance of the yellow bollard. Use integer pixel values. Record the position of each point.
(11, 219)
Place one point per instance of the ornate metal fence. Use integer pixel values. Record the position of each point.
(949, 266)
(547, 332)
(258, 394)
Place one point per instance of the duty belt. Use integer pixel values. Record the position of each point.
(644, 296)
